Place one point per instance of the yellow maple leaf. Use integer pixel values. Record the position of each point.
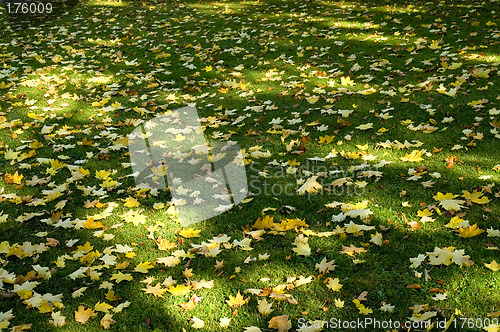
(3, 218)
(189, 233)
(365, 126)
(85, 248)
(340, 182)
(361, 307)
(364, 310)
(481, 200)
(91, 224)
(164, 244)
(310, 186)
(57, 58)
(103, 307)
(143, 267)
(119, 277)
(57, 319)
(191, 304)
(302, 248)
(237, 301)
(13, 178)
(102, 174)
(4, 247)
(131, 202)
(293, 223)
(351, 250)
(82, 315)
(188, 273)
(451, 204)
(440, 196)
(56, 164)
(441, 256)
(415, 156)
(224, 322)
(470, 231)
(334, 284)
(472, 196)
(202, 284)
(79, 292)
(475, 197)
(179, 290)
(109, 183)
(134, 217)
(107, 321)
(376, 238)
(262, 223)
(324, 266)
(111, 296)
(156, 290)
(169, 261)
(346, 81)
(123, 265)
(424, 213)
(264, 308)
(454, 222)
(494, 266)
(312, 99)
(197, 323)
(339, 303)
(326, 139)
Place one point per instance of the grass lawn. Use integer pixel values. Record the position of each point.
(371, 137)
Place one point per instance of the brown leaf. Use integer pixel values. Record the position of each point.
(20, 328)
(436, 290)
(414, 286)
(30, 276)
(51, 242)
(56, 216)
(279, 323)
(362, 296)
(7, 295)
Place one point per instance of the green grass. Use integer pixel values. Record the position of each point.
(59, 72)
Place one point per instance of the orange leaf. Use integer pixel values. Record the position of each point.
(191, 304)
